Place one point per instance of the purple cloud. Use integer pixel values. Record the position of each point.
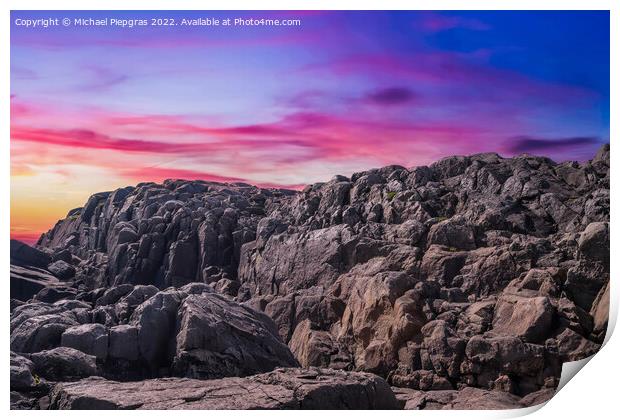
(396, 95)
(434, 22)
(525, 144)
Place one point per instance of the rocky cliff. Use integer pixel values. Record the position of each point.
(463, 284)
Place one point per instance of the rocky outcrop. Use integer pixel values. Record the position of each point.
(467, 282)
(280, 389)
(166, 235)
(191, 332)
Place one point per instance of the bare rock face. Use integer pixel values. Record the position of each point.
(312, 347)
(280, 389)
(525, 317)
(467, 283)
(166, 234)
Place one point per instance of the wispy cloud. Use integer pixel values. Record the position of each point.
(549, 145)
(435, 22)
(396, 95)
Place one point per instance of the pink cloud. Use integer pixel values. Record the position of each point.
(30, 238)
(159, 174)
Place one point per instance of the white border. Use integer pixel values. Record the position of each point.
(592, 395)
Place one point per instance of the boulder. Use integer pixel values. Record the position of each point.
(156, 321)
(124, 342)
(584, 281)
(600, 313)
(530, 318)
(51, 294)
(24, 255)
(288, 263)
(453, 234)
(379, 316)
(488, 359)
(22, 401)
(125, 306)
(22, 378)
(537, 397)
(442, 349)
(63, 363)
(594, 242)
(25, 282)
(41, 332)
(61, 269)
(88, 338)
(573, 346)
(412, 399)
(217, 338)
(114, 294)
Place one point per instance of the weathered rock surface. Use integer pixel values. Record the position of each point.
(280, 389)
(525, 317)
(469, 281)
(88, 338)
(468, 399)
(166, 235)
(29, 271)
(21, 373)
(63, 363)
(216, 338)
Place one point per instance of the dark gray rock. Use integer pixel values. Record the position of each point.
(55, 293)
(63, 363)
(22, 378)
(594, 242)
(24, 255)
(156, 323)
(216, 338)
(88, 338)
(61, 269)
(453, 234)
(114, 294)
(124, 343)
(40, 332)
(25, 282)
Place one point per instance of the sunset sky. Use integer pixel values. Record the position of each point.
(94, 109)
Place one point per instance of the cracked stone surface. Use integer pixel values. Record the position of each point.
(280, 389)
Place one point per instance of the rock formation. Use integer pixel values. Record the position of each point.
(463, 284)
